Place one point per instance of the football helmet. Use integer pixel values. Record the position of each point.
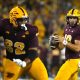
(18, 16)
(73, 14)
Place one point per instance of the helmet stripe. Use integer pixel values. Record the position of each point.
(21, 10)
(72, 11)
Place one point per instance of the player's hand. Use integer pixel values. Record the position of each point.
(20, 62)
(63, 40)
(54, 38)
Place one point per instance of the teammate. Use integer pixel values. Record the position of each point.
(71, 40)
(20, 39)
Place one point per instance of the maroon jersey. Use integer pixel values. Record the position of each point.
(18, 41)
(72, 34)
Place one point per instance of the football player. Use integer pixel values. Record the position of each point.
(71, 41)
(20, 39)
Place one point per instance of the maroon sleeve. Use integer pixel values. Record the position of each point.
(34, 42)
(78, 34)
(33, 39)
(33, 30)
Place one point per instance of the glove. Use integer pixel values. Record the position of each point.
(53, 41)
(20, 62)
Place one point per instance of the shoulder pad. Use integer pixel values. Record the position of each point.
(4, 21)
(32, 29)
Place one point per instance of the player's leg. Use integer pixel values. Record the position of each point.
(38, 70)
(77, 65)
(74, 76)
(11, 70)
(67, 69)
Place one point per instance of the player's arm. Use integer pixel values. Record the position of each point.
(74, 47)
(32, 52)
(64, 43)
(33, 48)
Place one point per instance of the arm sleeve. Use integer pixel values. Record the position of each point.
(33, 39)
(32, 52)
(33, 42)
(78, 34)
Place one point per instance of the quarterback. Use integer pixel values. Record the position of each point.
(71, 41)
(20, 39)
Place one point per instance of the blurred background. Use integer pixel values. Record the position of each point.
(49, 16)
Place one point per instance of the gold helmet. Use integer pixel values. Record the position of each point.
(17, 13)
(73, 13)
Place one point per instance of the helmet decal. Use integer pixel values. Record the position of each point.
(73, 11)
(21, 10)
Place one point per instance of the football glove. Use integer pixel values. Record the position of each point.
(20, 62)
(53, 41)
